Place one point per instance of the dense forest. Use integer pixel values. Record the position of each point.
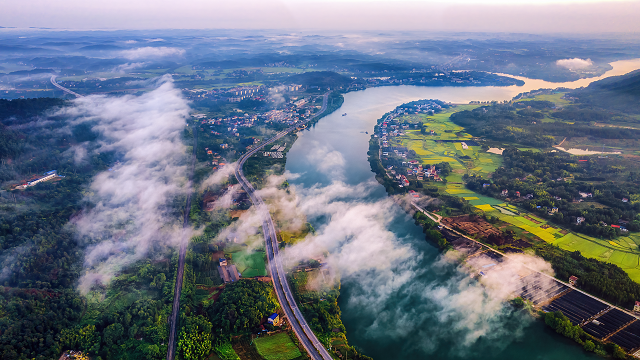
(41, 312)
(557, 180)
(538, 123)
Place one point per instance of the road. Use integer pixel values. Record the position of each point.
(307, 338)
(53, 81)
(173, 320)
(437, 219)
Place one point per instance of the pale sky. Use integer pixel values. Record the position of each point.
(545, 16)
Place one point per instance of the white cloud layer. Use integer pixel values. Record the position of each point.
(575, 63)
(130, 216)
(151, 53)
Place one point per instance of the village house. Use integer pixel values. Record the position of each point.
(573, 280)
(274, 319)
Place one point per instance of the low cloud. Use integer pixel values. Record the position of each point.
(575, 63)
(406, 295)
(149, 52)
(275, 95)
(130, 213)
(219, 177)
(328, 161)
(124, 68)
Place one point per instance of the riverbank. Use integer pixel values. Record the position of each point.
(319, 307)
(415, 190)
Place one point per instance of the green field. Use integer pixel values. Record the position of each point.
(277, 347)
(623, 251)
(430, 149)
(555, 98)
(249, 264)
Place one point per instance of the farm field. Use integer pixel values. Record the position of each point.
(446, 146)
(277, 347)
(623, 251)
(555, 98)
(249, 264)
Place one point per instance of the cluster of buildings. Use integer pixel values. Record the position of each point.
(297, 110)
(216, 159)
(49, 175)
(235, 94)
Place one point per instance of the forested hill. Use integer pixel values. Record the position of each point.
(321, 79)
(618, 93)
(18, 110)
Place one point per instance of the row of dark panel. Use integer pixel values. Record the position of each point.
(629, 337)
(576, 306)
(537, 288)
(608, 323)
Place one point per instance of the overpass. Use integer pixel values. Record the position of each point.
(53, 81)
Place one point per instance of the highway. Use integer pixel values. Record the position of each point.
(184, 241)
(307, 338)
(53, 81)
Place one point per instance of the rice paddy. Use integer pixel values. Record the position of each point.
(446, 146)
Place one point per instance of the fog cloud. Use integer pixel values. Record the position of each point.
(356, 242)
(575, 63)
(128, 67)
(149, 52)
(129, 214)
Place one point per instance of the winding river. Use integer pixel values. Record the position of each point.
(426, 308)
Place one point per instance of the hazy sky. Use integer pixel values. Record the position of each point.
(542, 16)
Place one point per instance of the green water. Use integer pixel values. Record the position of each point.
(421, 307)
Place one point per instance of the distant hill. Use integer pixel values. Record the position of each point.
(33, 72)
(101, 47)
(322, 79)
(627, 84)
(618, 93)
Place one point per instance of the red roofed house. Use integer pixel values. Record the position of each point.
(636, 307)
(573, 280)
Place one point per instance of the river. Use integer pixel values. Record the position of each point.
(400, 298)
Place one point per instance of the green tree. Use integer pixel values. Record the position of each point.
(589, 346)
(195, 338)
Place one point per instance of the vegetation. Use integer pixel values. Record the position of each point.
(319, 305)
(562, 325)
(557, 180)
(506, 124)
(277, 347)
(604, 280)
(242, 307)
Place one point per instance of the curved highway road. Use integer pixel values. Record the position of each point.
(307, 338)
(53, 81)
